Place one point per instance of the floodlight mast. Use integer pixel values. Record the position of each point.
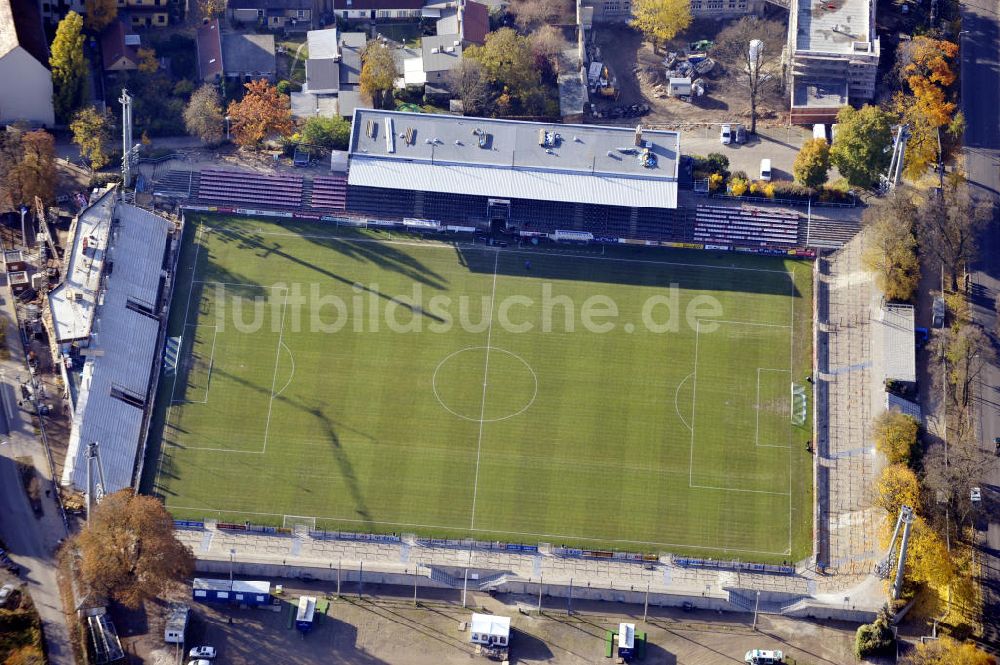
(95, 491)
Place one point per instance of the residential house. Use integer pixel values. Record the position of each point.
(469, 20)
(119, 48)
(287, 14)
(145, 13)
(620, 11)
(208, 42)
(371, 10)
(440, 55)
(53, 11)
(333, 71)
(24, 58)
(831, 57)
(248, 56)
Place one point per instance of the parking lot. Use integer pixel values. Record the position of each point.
(779, 144)
(386, 629)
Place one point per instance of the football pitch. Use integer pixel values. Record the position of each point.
(632, 399)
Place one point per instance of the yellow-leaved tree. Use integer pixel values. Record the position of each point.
(660, 20)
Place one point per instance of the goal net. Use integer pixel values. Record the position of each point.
(800, 405)
(299, 523)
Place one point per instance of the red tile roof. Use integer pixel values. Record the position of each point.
(113, 46)
(209, 43)
(475, 22)
(340, 5)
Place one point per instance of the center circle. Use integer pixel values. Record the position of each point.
(484, 384)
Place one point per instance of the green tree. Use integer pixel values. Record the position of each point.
(333, 133)
(507, 62)
(378, 73)
(860, 152)
(92, 132)
(203, 114)
(660, 20)
(895, 436)
(68, 65)
(812, 164)
(890, 249)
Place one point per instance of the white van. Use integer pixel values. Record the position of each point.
(819, 132)
(763, 657)
(765, 170)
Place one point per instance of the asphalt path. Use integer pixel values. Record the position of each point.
(980, 79)
(30, 540)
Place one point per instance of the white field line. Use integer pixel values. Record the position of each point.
(208, 379)
(757, 442)
(440, 245)
(677, 393)
(256, 286)
(749, 323)
(482, 406)
(694, 398)
(291, 375)
(177, 370)
(526, 534)
(791, 372)
(274, 377)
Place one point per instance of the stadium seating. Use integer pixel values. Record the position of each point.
(329, 193)
(273, 191)
(745, 226)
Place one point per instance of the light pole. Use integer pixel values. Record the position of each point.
(24, 235)
(227, 127)
(232, 556)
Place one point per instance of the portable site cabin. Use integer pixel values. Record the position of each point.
(307, 610)
(626, 641)
(177, 621)
(490, 631)
(763, 657)
(238, 591)
(679, 87)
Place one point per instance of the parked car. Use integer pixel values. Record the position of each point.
(202, 652)
(996, 446)
(726, 135)
(200, 661)
(740, 136)
(976, 495)
(5, 591)
(763, 657)
(765, 170)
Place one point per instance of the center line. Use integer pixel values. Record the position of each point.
(482, 408)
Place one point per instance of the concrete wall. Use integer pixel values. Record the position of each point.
(33, 100)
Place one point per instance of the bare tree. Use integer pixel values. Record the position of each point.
(751, 48)
(548, 42)
(529, 14)
(949, 225)
(468, 82)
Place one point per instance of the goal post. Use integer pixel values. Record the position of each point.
(297, 523)
(799, 406)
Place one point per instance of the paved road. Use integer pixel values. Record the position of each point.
(981, 99)
(30, 540)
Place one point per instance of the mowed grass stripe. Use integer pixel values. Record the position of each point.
(359, 438)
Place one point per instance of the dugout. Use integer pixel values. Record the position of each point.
(307, 612)
(626, 641)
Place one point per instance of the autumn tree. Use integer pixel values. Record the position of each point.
(895, 435)
(529, 14)
(812, 164)
(757, 69)
(660, 20)
(468, 83)
(949, 225)
(129, 551)
(378, 73)
(859, 152)
(148, 62)
(210, 9)
(548, 44)
(27, 168)
(890, 246)
(968, 352)
(100, 13)
(896, 487)
(68, 65)
(507, 63)
(927, 66)
(333, 133)
(946, 651)
(92, 132)
(262, 112)
(203, 114)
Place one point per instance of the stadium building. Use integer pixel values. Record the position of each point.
(512, 175)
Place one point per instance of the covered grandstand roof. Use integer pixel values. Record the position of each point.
(72, 303)
(507, 158)
(893, 329)
(114, 386)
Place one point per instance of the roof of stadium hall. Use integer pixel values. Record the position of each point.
(122, 349)
(514, 159)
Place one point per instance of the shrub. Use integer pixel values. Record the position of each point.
(873, 638)
(285, 86)
(742, 175)
(737, 186)
(714, 181)
(717, 162)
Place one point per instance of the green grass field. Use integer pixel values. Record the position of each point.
(405, 385)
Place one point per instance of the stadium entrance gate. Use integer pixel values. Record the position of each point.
(498, 212)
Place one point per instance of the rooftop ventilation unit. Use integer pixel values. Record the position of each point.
(547, 139)
(435, 50)
(371, 129)
(450, 49)
(390, 136)
(410, 135)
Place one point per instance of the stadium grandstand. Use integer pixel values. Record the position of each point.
(104, 322)
(530, 179)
